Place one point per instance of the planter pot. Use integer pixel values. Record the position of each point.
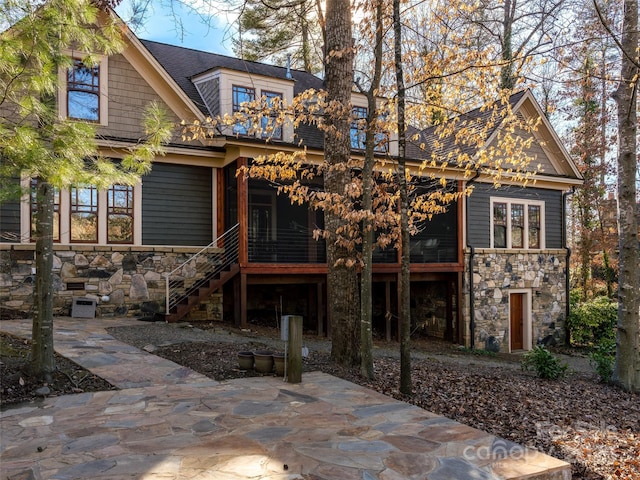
(245, 360)
(278, 361)
(264, 361)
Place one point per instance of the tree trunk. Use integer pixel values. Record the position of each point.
(366, 298)
(342, 281)
(405, 299)
(506, 72)
(42, 359)
(627, 366)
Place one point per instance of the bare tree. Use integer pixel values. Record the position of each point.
(627, 366)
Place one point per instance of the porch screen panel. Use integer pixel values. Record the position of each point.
(177, 205)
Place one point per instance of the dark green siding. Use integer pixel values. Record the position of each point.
(479, 207)
(10, 219)
(10, 222)
(177, 205)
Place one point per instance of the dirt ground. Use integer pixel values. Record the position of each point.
(594, 426)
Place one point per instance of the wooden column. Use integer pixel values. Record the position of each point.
(220, 203)
(320, 306)
(243, 240)
(461, 226)
(243, 300)
(294, 361)
(460, 309)
(399, 297)
(387, 303)
(237, 303)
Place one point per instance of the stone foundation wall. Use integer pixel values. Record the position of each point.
(132, 278)
(497, 273)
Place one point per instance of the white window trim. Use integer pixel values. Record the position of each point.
(526, 203)
(104, 87)
(65, 217)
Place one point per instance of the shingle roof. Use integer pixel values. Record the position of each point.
(475, 119)
(182, 64)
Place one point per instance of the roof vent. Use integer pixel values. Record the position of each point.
(289, 66)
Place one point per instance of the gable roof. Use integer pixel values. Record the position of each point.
(184, 63)
(423, 144)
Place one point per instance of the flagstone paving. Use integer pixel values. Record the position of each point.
(168, 422)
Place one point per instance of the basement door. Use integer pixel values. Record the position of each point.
(516, 315)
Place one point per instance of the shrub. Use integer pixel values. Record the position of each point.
(592, 322)
(545, 364)
(602, 358)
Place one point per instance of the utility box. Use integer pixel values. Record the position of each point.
(83, 307)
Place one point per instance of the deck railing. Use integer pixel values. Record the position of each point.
(217, 257)
(288, 245)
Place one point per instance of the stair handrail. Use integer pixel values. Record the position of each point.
(227, 243)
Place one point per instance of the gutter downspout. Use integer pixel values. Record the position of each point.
(472, 253)
(567, 285)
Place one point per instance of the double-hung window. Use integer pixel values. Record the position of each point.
(270, 129)
(83, 92)
(242, 95)
(517, 223)
(120, 214)
(84, 214)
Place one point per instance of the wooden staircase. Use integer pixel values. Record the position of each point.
(193, 281)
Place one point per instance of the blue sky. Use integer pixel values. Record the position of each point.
(161, 27)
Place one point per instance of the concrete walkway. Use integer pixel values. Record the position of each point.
(168, 422)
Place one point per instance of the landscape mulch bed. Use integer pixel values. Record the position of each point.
(594, 426)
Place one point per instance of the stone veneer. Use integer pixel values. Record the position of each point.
(496, 273)
(132, 277)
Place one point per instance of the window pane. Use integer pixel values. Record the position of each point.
(500, 214)
(84, 227)
(83, 106)
(499, 236)
(534, 226)
(517, 226)
(120, 229)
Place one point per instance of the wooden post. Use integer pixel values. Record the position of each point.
(387, 304)
(294, 362)
(243, 300)
(320, 307)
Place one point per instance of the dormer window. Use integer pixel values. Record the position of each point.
(83, 92)
(242, 95)
(358, 132)
(358, 128)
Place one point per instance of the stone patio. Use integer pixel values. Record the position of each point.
(168, 422)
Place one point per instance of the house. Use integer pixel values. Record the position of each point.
(194, 241)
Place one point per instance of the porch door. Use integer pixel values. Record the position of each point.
(516, 301)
